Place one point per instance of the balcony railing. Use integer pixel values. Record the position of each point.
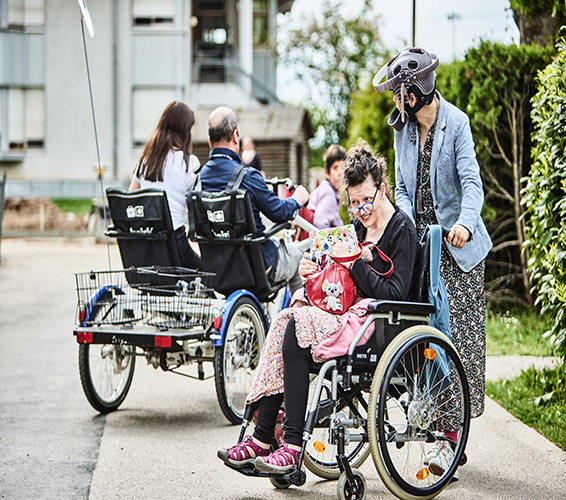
(228, 70)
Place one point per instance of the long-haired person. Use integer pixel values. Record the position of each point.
(167, 162)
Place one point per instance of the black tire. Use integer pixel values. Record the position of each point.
(237, 359)
(345, 487)
(407, 403)
(106, 370)
(320, 455)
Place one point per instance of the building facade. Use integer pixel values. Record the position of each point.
(144, 54)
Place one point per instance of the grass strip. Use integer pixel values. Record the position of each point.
(537, 398)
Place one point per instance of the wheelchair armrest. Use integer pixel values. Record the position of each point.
(413, 308)
(276, 228)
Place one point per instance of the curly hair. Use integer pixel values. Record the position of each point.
(362, 162)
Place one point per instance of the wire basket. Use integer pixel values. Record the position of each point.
(169, 297)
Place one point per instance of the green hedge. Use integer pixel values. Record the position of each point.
(544, 197)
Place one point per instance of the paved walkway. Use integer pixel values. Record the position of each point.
(163, 440)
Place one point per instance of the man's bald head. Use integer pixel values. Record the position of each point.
(222, 124)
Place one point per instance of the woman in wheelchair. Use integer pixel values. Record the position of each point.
(303, 332)
(167, 163)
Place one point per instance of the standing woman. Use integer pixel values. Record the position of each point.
(438, 182)
(167, 163)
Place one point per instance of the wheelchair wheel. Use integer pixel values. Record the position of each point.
(349, 491)
(411, 401)
(236, 360)
(280, 484)
(106, 372)
(320, 455)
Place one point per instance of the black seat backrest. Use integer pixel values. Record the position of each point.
(223, 225)
(142, 225)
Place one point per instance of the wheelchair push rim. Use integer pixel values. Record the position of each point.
(411, 400)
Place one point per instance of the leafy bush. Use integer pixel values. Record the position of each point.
(545, 197)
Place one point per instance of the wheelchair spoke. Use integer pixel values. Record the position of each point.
(413, 399)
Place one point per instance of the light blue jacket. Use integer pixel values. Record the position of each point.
(456, 185)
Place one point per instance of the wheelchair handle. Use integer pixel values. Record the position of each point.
(276, 181)
(446, 232)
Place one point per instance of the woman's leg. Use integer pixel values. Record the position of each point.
(296, 375)
(267, 416)
(296, 378)
(246, 451)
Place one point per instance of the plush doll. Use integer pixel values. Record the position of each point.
(333, 291)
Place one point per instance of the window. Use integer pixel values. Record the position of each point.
(260, 33)
(22, 75)
(154, 12)
(20, 14)
(158, 58)
(147, 105)
(25, 118)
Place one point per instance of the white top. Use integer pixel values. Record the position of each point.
(176, 183)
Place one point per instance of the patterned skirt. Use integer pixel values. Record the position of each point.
(466, 298)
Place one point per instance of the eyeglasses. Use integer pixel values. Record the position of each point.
(366, 208)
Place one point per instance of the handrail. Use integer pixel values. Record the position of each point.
(230, 62)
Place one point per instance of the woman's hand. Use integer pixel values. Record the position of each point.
(458, 236)
(340, 249)
(366, 252)
(306, 267)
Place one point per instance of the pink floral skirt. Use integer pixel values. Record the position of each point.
(327, 335)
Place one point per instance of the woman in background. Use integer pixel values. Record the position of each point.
(167, 163)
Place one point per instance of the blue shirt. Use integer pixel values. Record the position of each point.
(215, 176)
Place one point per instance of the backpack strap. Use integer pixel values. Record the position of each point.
(196, 218)
(232, 187)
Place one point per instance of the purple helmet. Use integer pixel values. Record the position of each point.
(410, 71)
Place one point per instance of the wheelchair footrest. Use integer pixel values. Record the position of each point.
(296, 477)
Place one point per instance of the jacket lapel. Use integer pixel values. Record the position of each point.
(439, 134)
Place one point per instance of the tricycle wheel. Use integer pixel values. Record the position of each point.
(106, 372)
(237, 359)
(349, 491)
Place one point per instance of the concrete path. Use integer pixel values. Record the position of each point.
(162, 442)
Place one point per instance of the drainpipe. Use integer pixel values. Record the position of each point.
(245, 29)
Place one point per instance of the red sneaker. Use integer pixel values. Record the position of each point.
(281, 461)
(242, 454)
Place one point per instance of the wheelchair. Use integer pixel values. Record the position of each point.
(173, 316)
(390, 397)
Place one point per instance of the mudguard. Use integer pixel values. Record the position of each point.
(227, 308)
